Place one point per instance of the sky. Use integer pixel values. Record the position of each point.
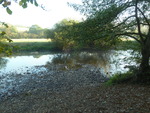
(56, 10)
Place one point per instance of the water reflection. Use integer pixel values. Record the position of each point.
(76, 60)
(21, 63)
(109, 62)
(16, 70)
(3, 62)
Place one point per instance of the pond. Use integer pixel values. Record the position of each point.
(16, 70)
(109, 62)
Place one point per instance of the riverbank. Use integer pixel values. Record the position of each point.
(33, 46)
(58, 89)
(90, 99)
(25, 45)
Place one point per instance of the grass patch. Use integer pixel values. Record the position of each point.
(31, 40)
(119, 78)
(126, 45)
(34, 46)
(29, 45)
(48, 45)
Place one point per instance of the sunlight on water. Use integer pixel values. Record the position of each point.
(15, 70)
(20, 64)
(110, 62)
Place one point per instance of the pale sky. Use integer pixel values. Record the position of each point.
(56, 11)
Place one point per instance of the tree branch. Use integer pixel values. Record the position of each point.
(144, 16)
(129, 35)
(138, 21)
(144, 24)
(124, 21)
(134, 38)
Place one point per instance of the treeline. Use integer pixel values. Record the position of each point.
(34, 32)
(70, 34)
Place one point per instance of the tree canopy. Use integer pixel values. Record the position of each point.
(62, 35)
(114, 19)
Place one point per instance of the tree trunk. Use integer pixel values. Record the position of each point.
(144, 66)
(144, 71)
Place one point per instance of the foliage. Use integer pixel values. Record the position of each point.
(119, 78)
(35, 29)
(129, 45)
(61, 34)
(115, 19)
(5, 47)
(71, 34)
(34, 46)
(22, 3)
(11, 32)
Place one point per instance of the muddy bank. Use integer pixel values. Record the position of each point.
(124, 98)
(55, 78)
(77, 89)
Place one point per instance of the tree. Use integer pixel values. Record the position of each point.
(35, 29)
(61, 34)
(5, 48)
(116, 19)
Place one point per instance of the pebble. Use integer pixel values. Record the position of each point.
(52, 78)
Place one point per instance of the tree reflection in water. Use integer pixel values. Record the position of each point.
(76, 60)
(3, 63)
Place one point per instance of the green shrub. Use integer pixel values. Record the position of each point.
(119, 78)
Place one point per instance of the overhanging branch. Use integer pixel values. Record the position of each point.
(131, 36)
(124, 21)
(131, 33)
(138, 21)
(144, 16)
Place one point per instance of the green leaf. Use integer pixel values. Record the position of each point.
(31, 1)
(1, 1)
(8, 11)
(8, 39)
(5, 24)
(35, 3)
(20, 3)
(24, 1)
(24, 5)
(3, 33)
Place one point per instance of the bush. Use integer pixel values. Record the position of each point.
(120, 78)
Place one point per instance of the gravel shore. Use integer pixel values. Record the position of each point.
(79, 89)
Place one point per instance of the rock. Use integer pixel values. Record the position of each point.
(51, 77)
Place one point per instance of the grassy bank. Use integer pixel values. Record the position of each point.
(33, 45)
(48, 45)
(31, 40)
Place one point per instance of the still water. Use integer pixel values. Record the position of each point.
(17, 69)
(109, 62)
